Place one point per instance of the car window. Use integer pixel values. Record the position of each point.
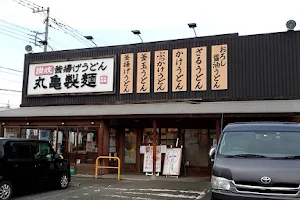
(41, 151)
(19, 150)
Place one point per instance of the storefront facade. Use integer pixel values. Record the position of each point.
(113, 100)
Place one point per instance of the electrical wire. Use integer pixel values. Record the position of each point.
(10, 73)
(13, 32)
(15, 25)
(8, 90)
(11, 69)
(9, 94)
(16, 37)
(10, 80)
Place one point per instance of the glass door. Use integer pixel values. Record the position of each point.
(130, 150)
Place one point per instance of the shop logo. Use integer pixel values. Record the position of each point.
(103, 79)
(44, 70)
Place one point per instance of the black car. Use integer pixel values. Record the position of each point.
(29, 163)
(257, 160)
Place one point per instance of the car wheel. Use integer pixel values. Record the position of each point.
(63, 181)
(5, 190)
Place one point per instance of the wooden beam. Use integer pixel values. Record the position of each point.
(154, 146)
(100, 138)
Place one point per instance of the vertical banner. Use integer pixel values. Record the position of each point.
(199, 69)
(179, 65)
(126, 73)
(161, 71)
(219, 74)
(143, 72)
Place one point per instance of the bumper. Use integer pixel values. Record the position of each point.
(219, 195)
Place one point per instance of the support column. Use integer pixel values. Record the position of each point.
(154, 146)
(1, 131)
(218, 129)
(100, 143)
(100, 138)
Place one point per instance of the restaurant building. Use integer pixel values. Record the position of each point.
(113, 100)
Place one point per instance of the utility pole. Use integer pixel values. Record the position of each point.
(45, 43)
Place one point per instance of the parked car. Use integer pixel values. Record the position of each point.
(257, 160)
(30, 163)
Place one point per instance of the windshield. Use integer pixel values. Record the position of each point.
(260, 144)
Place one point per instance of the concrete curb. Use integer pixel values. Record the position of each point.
(146, 178)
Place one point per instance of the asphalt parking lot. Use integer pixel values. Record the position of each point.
(91, 189)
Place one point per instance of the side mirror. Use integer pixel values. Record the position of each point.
(211, 153)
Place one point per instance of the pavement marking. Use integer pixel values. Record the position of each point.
(126, 197)
(183, 194)
(164, 195)
(62, 193)
(160, 190)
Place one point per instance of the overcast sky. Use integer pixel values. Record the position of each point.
(111, 22)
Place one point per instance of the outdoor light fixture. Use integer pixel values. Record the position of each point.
(193, 26)
(62, 123)
(89, 37)
(137, 32)
(3, 123)
(92, 122)
(27, 123)
(291, 24)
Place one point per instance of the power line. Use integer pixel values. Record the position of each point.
(11, 80)
(8, 90)
(15, 37)
(13, 32)
(63, 27)
(11, 69)
(10, 73)
(15, 25)
(9, 94)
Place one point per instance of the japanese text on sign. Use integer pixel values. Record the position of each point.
(219, 67)
(161, 71)
(85, 76)
(143, 72)
(198, 82)
(126, 73)
(179, 76)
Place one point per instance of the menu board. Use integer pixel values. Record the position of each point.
(148, 159)
(172, 162)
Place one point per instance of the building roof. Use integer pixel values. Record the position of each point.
(229, 107)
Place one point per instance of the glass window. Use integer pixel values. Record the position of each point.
(63, 145)
(11, 132)
(261, 143)
(130, 146)
(41, 151)
(112, 141)
(169, 136)
(87, 139)
(148, 136)
(48, 134)
(195, 147)
(18, 150)
(29, 133)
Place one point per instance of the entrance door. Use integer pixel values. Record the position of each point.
(130, 150)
